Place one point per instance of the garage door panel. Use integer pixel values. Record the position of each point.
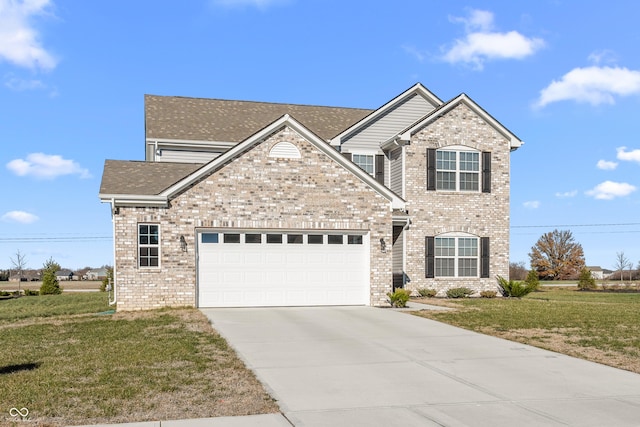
(281, 274)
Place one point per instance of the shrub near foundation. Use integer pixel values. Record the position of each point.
(399, 297)
(428, 293)
(459, 292)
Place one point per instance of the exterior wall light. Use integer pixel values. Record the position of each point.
(183, 244)
(383, 246)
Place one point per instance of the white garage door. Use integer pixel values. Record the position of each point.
(241, 268)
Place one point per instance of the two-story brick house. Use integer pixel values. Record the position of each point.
(260, 204)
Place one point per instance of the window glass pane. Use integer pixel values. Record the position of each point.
(446, 160)
(335, 239)
(294, 239)
(469, 161)
(153, 262)
(364, 161)
(144, 239)
(231, 238)
(445, 267)
(274, 238)
(314, 239)
(445, 180)
(209, 237)
(143, 229)
(467, 267)
(354, 240)
(469, 181)
(144, 252)
(153, 252)
(153, 239)
(445, 246)
(467, 247)
(253, 238)
(144, 262)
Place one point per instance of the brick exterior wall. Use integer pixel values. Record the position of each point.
(251, 191)
(436, 212)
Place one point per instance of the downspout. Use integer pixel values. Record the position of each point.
(113, 225)
(404, 252)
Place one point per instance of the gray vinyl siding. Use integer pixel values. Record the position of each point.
(397, 262)
(395, 160)
(388, 125)
(186, 156)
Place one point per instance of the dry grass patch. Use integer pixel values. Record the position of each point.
(142, 366)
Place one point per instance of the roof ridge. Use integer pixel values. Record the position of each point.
(257, 102)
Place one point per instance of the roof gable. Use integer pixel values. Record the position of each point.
(217, 120)
(417, 89)
(514, 141)
(284, 121)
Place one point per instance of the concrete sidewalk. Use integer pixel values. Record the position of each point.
(364, 366)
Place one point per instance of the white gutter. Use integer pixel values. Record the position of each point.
(113, 271)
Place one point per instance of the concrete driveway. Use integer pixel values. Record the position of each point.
(364, 366)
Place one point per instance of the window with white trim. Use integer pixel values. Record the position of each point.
(365, 161)
(457, 170)
(456, 256)
(148, 245)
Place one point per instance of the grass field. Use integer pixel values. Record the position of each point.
(600, 326)
(69, 360)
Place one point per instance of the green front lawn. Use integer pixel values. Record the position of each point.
(599, 326)
(69, 361)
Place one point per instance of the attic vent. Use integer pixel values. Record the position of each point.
(285, 150)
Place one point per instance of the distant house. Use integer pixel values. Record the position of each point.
(98, 274)
(64, 274)
(599, 273)
(26, 276)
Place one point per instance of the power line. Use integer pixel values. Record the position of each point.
(577, 225)
(53, 239)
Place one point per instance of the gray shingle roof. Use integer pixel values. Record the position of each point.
(200, 119)
(142, 178)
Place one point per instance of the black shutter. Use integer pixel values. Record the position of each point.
(347, 155)
(429, 257)
(431, 169)
(484, 257)
(486, 172)
(379, 171)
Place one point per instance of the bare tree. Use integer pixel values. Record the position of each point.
(19, 263)
(557, 256)
(622, 262)
(517, 270)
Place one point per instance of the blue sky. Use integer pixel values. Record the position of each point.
(562, 75)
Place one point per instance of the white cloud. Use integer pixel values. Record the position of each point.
(46, 166)
(532, 204)
(19, 41)
(609, 190)
(594, 85)
(567, 194)
(631, 156)
(482, 44)
(606, 165)
(20, 216)
(19, 85)
(603, 56)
